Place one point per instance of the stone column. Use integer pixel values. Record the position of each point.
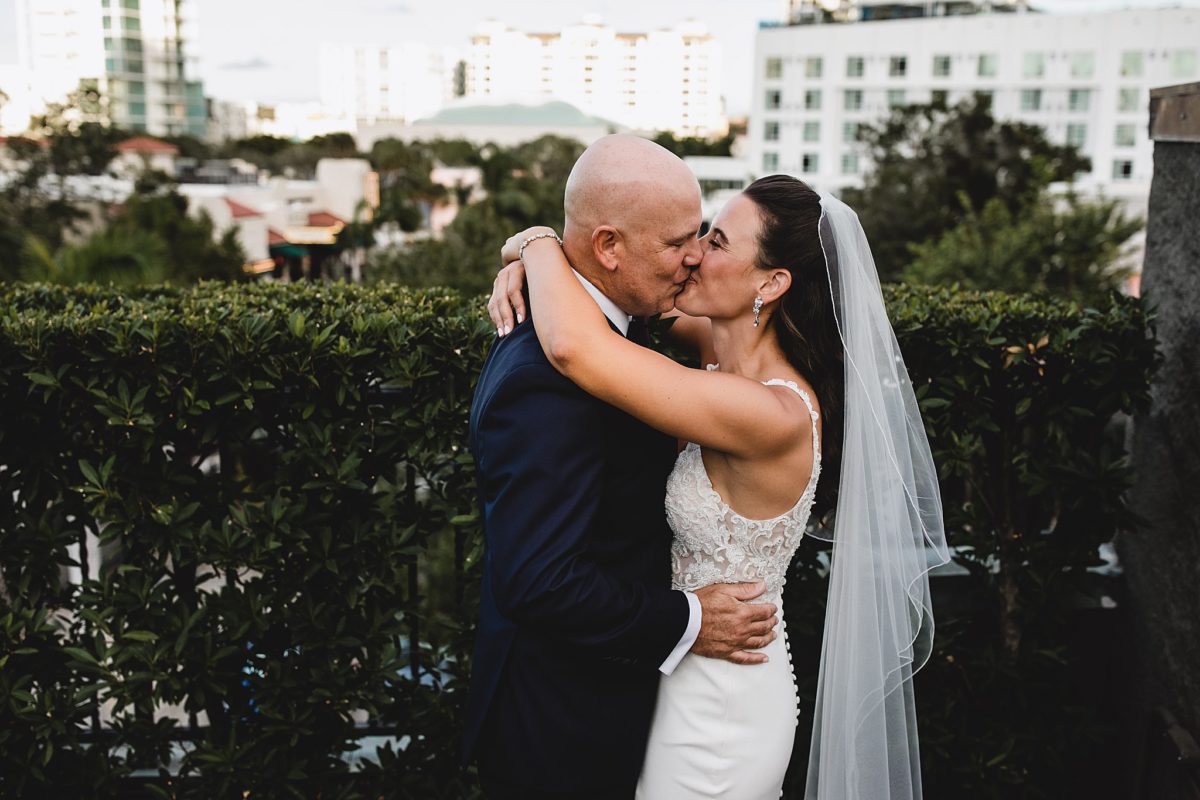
(1162, 557)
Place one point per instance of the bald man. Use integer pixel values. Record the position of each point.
(577, 620)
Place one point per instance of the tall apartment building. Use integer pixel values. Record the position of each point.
(656, 80)
(1085, 78)
(147, 66)
(134, 52)
(387, 83)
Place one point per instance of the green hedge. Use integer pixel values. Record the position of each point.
(278, 482)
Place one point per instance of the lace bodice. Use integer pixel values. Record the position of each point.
(715, 544)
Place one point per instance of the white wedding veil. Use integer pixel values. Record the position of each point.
(887, 535)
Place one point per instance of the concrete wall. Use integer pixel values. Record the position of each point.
(1162, 557)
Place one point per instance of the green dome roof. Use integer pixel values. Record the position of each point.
(556, 114)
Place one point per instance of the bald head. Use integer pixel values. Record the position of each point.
(619, 179)
(632, 217)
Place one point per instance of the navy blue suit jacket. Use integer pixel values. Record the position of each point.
(576, 613)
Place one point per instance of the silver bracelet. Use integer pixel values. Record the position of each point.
(535, 237)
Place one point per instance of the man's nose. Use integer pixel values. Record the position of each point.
(694, 254)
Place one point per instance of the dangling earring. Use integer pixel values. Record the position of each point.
(757, 309)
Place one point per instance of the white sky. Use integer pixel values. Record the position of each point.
(268, 50)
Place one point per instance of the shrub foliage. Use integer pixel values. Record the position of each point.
(238, 524)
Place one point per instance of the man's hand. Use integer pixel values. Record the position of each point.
(506, 306)
(730, 626)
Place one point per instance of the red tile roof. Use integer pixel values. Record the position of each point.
(323, 219)
(240, 211)
(274, 237)
(43, 143)
(146, 144)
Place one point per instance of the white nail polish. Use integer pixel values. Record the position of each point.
(520, 318)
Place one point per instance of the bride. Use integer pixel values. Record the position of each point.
(804, 406)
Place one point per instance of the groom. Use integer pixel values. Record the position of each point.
(577, 620)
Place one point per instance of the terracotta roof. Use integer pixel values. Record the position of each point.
(323, 219)
(240, 211)
(274, 237)
(145, 144)
(43, 143)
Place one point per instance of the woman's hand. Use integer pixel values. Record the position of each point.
(506, 306)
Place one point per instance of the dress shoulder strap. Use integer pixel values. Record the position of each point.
(812, 411)
(803, 394)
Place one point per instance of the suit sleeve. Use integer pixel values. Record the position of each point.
(539, 450)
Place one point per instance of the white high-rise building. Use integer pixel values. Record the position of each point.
(387, 83)
(657, 80)
(148, 64)
(1084, 78)
(132, 51)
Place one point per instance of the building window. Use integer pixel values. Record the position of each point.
(1034, 65)
(774, 67)
(849, 132)
(1079, 99)
(895, 98)
(1129, 99)
(852, 99)
(1082, 65)
(1077, 134)
(898, 66)
(812, 131)
(1122, 169)
(770, 162)
(1126, 135)
(1131, 64)
(774, 98)
(939, 97)
(771, 132)
(812, 67)
(941, 66)
(1183, 63)
(1031, 99)
(131, 24)
(812, 100)
(854, 66)
(849, 163)
(808, 163)
(989, 65)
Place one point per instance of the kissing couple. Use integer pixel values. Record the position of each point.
(640, 516)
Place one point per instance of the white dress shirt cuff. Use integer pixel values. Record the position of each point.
(689, 636)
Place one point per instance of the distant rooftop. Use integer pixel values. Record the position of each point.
(555, 114)
(814, 12)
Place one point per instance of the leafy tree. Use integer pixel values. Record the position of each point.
(259, 149)
(524, 186)
(1069, 248)
(405, 182)
(454, 152)
(192, 250)
(122, 258)
(191, 147)
(925, 156)
(694, 145)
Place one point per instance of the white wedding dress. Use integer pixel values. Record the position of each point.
(722, 729)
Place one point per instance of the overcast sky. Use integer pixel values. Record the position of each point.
(268, 50)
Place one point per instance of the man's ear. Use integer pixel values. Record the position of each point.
(777, 283)
(606, 247)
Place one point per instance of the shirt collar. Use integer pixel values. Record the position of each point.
(615, 315)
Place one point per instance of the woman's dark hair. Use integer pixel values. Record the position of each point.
(804, 324)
